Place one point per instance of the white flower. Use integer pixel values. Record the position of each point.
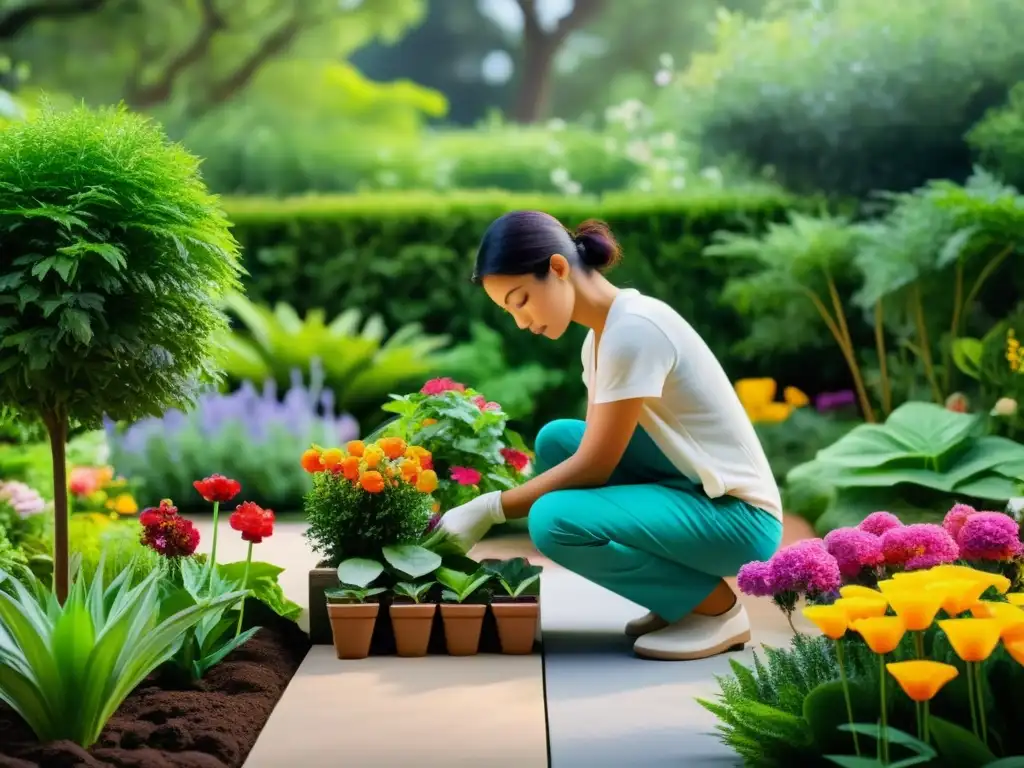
(559, 177)
(662, 78)
(1005, 406)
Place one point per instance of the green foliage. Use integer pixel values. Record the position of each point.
(998, 138)
(458, 433)
(921, 456)
(207, 642)
(69, 667)
(360, 362)
(111, 544)
(462, 587)
(516, 576)
(348, 522)
(851, 96)
(921, 752)
(262, 582)
(114, 254)
(825, 713)
(415, 591)
(985, 361)
(408, 257)
(797, 439)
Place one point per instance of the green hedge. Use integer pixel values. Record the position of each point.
(409, 256)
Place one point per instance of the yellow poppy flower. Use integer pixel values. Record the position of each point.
(881, 633)
(958, 595)
(972, 639)
(1015, 598)
(795, 397)
(1010, 618)
(832, 621)
(856, 590)
(894, 586)
(958, 572)
(124, 504)
(921, 680)
(1016, 650)
(862, 607)
(758, 396)
(917, 608)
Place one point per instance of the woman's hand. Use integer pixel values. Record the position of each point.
(465, 525)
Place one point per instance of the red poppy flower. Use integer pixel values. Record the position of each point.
(217, 488)
(515, 459)
(442, 385)
(254, 522)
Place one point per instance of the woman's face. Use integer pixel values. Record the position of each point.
(543, 306)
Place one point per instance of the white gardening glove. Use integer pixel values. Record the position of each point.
(465, 525)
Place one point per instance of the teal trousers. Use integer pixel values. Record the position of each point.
(650, 535)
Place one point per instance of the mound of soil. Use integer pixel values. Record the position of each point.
(211, 725)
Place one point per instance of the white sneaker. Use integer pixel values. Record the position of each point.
(697, 637)
(649, 623)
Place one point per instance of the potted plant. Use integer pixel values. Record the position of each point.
(463, 620)
(369, 501)
(412, 619)
(517, 611)
(352, 612)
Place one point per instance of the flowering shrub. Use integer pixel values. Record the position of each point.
(96, 489)
(367, 496)
(472, 449)
(249, 435)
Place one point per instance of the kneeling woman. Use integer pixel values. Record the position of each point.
(665, 489)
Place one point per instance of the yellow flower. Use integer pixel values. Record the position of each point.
(917, 608)
(104, 475)
(862, 607)
(124, 504)
(972, 639)
(795, 397)
(921, 680)
(1015, 598)
(427, 481)
(958, 595)
(355, 447)
(832, 621)
(855, 590)
(372, 455)
(881, 633)
(1016, 650)
(1010, 618)
(896, 586)
(757, 396)
(964, 572)
(332, 458)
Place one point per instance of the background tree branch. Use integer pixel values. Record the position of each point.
(14, 22)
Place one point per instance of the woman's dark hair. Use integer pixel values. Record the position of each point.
(523, 242)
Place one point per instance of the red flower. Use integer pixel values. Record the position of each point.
(515, 459)
(254, 522)
(481, 402)
(166, 533)
(442, 385)
(465, 475)
(217, 488)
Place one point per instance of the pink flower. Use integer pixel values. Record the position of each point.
(990, 536)
(804, 567)
(956, 517)
(755, 579)
(854, 550)
(465, 475)
(515, 459)
(878, 523)
(919, 546)
(482, 403)
(83, 481)
(442, 385)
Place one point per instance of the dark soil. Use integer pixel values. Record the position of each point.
(213, 725)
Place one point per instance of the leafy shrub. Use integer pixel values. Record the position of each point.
(248, 435)
(113, 545)
(852, 96)
(999, 380)
(998, 138)
(408, 257)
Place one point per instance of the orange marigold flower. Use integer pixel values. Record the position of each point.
(393, 447)
(355, 447)
(372, 482)
(311, 461)
(429, 422)
(410, 471)
(332, 458)
(427, 482)
(350, 467)
(372, 456)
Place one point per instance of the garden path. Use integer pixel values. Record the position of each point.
(586, 698)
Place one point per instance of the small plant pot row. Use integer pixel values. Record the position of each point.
(353, 625)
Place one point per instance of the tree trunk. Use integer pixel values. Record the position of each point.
(535, 84)
(57, 429)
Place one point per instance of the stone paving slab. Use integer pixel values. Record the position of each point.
(386, 712)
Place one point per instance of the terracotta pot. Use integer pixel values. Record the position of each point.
(462, 625)
(352, 627)
(412, 624)
(517, 624)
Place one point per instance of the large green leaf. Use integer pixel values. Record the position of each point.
(359, 571)
(412, 560)
(958, 746)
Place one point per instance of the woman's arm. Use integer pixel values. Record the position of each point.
(610, 427)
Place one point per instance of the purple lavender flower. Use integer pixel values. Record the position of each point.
(805, 567)
(834, 401)
(989, 536)
(919, 546)
(877, 523)
(755, 579)
(956, 517)
(854, 550)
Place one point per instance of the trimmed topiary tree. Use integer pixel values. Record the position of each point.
(113, 258)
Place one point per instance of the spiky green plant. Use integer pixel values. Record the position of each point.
(114, 260)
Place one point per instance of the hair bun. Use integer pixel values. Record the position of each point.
(597, 245)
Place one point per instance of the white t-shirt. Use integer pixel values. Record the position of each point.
(691, 410)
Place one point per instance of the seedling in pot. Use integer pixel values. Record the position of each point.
(516, 576)
(414, 591)
(346, 593)
(355, 576)
(461, 586)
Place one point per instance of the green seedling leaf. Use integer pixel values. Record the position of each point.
(412, 560)
(412, 590)
(462, 586)
(359, 571)
(515, 575)
(350, 594)
(1016, 761)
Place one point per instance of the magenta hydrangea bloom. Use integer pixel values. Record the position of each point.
(877, 523)
(755, 579)
(919, 546)
(854, 550)
(989, 536)
(956, 517)
(805, 567)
